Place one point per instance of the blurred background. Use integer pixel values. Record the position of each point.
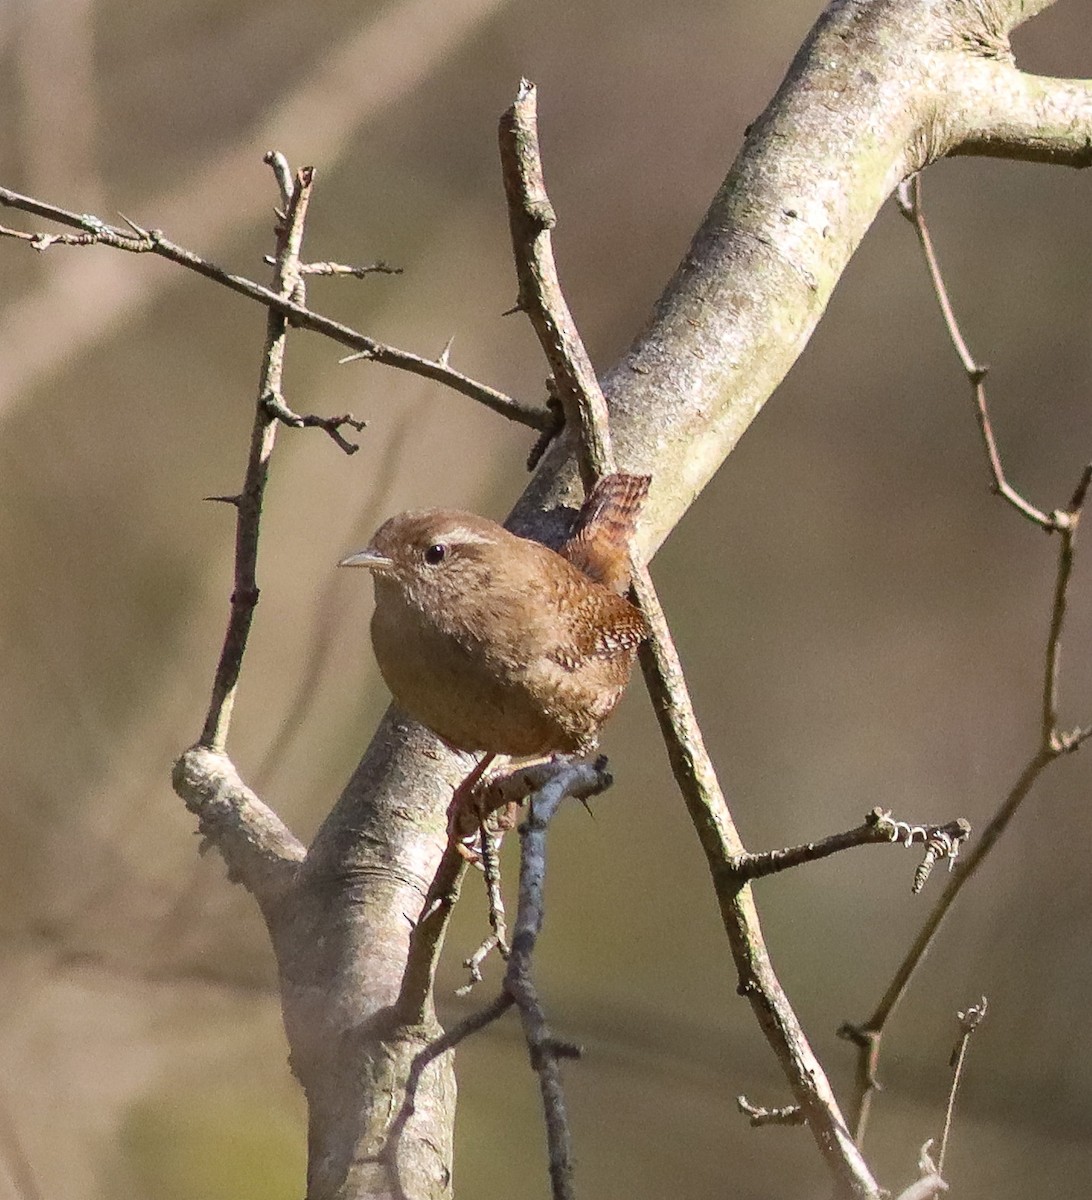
(863, 622)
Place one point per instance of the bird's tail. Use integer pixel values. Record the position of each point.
(599, 544)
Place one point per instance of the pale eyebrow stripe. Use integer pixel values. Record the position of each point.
(461, 534)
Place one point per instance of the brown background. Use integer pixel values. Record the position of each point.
(863, 623)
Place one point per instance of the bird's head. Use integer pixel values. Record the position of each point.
(434, 553)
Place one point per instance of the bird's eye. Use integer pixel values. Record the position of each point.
(436, 553)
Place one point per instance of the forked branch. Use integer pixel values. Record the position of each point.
(1054, 740)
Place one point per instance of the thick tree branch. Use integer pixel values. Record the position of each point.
(260, 851)
(1034, 118)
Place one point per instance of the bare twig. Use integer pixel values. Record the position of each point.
(347, 269)
(276, 407)
(1054, 741)
(558, 780)
(137, 240)
(929, 1182)
(878, 827)
(580, 780)
(490, 843)
(908, 199)
(497, 939)
(259, 850)
(244, 596)
(969, 1021)
(531, 217)
(474, 964)
(282, 173)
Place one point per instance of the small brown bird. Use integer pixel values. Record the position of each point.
(498, 643)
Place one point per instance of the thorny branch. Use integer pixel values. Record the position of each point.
(531, 217)
(1054, 741)
(137, 240)
(244, 596)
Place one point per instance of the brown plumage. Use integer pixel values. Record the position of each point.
(497, 643)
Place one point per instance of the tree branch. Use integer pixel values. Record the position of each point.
(1014, 115)
(541, 298)
(878, 828)
(260, 851)
(136, 240)
(248, 504)
(552, 783)
(1054, 741)
(531, 218)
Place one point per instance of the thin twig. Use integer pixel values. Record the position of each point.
(356, 272)
(137, 240)
(558, 780)
(276, 407)
(497, 939)
(244, 596)
(929, 1182)
(759, 1117)
(908, 199)
(580, 780)
(969, 1021)
(531, 217)
(878, 827)
(474, 964)
(491, 869)
(1054, 741)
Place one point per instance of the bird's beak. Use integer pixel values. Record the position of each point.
(368, 558)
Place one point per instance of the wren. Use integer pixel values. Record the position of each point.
(497, 643)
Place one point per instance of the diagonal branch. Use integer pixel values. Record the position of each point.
(136, 240)
(260, 851)
(908, 199)
(531, 218)
(541, 298)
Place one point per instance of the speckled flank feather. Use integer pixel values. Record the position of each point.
(600, 542)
